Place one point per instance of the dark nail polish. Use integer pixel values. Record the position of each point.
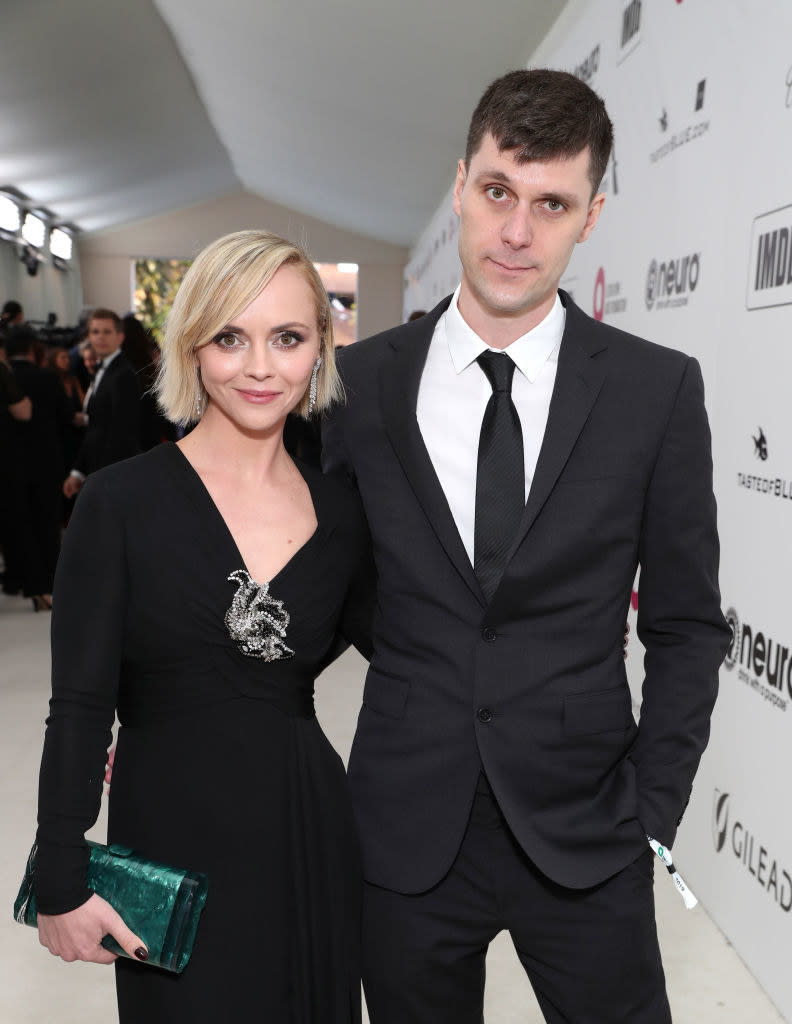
(141, 953)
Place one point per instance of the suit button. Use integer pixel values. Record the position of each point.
(484, 715)
(489, 634)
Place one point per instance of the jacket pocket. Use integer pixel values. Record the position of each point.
(385, 694)
(604, 711)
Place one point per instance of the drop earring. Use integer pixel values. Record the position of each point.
(312, 388)
(198, 396)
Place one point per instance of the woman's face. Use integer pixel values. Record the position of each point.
(257, 368)
(62, 361)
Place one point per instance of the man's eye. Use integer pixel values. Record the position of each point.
(496, 192)
(554, 205)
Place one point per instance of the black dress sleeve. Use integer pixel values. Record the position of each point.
(89, 611)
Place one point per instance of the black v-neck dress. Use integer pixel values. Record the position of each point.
(221, 766)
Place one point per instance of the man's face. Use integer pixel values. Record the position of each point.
(104, 337)
(518, 225)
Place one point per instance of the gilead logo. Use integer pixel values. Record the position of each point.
(770, 260)
(730, 835)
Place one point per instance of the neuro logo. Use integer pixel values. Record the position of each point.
(672, 282)
(663, 119)
(651, 284)
(760, 445)
(720, 819)
(700, 93)
(733, 622)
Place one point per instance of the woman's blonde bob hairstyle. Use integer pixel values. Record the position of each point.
(222, 282)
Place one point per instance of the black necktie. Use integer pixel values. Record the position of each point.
(500, 478)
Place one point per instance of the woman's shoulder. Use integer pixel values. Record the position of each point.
(133, 477)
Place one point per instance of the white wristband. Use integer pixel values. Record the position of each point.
(665, 856)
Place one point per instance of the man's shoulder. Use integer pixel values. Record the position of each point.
(630, 350)
(365, 355)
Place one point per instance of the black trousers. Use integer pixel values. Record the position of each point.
(591, 955)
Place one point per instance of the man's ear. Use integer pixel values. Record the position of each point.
(595, 208)
(459, 184)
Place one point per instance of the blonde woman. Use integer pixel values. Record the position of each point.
(201, 588)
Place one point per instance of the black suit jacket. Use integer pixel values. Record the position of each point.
(113, 431)
(532, 685)
(39, 439)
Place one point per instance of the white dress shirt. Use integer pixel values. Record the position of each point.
(453, 395)
(98, 378)
(91, 390)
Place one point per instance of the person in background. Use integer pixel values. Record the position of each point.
(15, 406)
(72, 433)
(112, 405)
(36, 511)
(11, 315)
(142, 351)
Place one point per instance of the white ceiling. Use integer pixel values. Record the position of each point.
(352, 111)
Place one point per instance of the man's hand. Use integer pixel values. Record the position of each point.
(78, 935)
(79, 420)
(71, 485)
(109, 767)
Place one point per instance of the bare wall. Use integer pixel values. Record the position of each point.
(105, 257)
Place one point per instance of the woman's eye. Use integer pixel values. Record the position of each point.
(227, 341)
(288, 339)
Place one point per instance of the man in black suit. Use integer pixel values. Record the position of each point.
(112, 405)
(517, 461)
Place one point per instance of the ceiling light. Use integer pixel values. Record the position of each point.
(347, 268)
(61, 244)
(34, 230)
(9, 214)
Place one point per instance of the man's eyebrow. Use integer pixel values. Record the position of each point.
(493, 175)
(567, 198)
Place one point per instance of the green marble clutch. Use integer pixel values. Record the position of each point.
(159, 903)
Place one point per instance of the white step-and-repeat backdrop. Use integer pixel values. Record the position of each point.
(694, 250)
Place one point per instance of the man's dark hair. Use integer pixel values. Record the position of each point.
(106, 314)
(11, 310)
(19, 341)
(545, 115)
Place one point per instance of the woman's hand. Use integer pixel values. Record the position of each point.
(78, 935)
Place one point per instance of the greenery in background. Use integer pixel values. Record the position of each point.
(156, 284)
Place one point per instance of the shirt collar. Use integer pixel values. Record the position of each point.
(529, 352)
(108, 359)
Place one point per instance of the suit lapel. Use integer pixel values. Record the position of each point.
(579, 378)
(400, 378)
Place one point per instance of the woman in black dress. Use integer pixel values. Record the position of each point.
(201, 588)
